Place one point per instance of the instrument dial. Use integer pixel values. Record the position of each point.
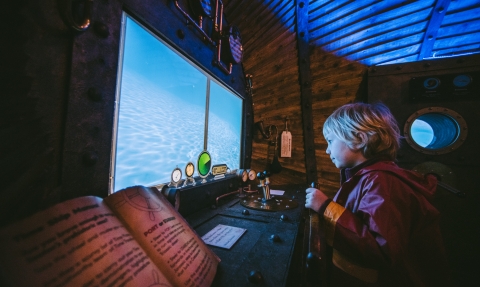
(252, 174)
(176, 175)
(243, 174)
(204, 164)
(431, 83)
(461, 81)
(189, 169)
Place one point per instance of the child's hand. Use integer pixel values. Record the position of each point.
(314, 199)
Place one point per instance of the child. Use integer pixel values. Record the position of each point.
(383, 230)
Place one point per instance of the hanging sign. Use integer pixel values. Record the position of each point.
(286, 144)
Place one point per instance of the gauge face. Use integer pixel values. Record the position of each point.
(189, 169)
(176, 175)
(431, 83)
(204, 163)
(235, 45)
(244, 176)
(252, 175)
(462, 81)
(219, 169)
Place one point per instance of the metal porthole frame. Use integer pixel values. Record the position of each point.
(454, 116)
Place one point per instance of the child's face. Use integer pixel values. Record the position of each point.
(342, 155)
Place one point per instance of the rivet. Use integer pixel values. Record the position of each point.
(94, 95)
(89, 158)
(101, 29)
(275, 238)
(180, 34)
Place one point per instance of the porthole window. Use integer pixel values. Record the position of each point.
(435, 130)
(421, 132)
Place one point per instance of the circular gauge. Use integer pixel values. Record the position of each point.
(189, 169)
(176, 175)
(252, 175)
(204, 163)
(431, 83)
(233, 51)
(461, 81)
(243, 174)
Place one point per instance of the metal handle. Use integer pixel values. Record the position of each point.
(451, 189)
(315, 261)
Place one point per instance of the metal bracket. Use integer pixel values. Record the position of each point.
(217, 22)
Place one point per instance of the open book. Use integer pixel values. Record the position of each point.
(133, 237)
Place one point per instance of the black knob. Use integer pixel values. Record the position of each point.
(245, 212)
(275, 238)
(255, 277)
(283, 217)
(313, 258)
(261, 175)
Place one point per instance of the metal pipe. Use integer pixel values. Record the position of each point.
(199, 27)
(218, 28)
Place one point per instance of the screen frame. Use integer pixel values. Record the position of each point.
(208, 73)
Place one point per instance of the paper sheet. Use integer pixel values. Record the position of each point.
(223, 236)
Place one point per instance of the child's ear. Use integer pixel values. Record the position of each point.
(363, 140)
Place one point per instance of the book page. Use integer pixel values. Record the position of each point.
(165, 235)
(76, 243)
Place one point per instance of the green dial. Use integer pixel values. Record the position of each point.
(204, 163)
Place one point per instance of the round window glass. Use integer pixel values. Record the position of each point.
(421, 132)
(435, 130)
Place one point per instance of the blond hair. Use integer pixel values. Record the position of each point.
(374, 120)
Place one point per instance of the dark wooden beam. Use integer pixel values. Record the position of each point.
(305, 89)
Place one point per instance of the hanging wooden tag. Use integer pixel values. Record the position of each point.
(286, 146)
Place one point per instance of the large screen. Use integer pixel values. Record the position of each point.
(169, 111)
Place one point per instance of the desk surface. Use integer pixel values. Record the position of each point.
(268, 245)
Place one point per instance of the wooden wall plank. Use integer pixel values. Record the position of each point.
(272, 59)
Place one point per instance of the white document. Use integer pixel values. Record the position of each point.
(223, 236)
(276, 192)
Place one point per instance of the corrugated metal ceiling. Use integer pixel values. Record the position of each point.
(379, 32)
(387, 32)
